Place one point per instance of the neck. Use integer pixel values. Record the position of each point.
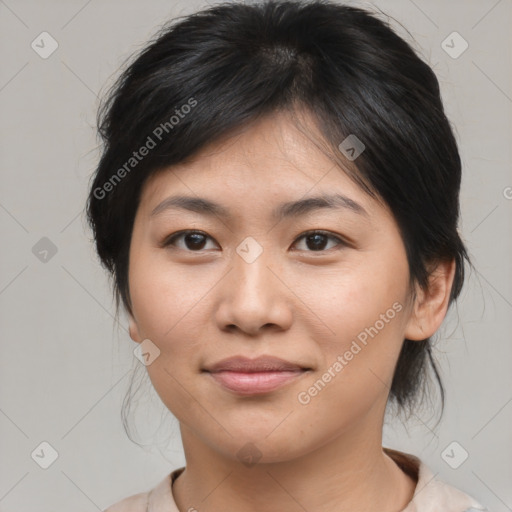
(351, 472)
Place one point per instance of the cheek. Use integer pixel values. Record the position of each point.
(169, 307)
(356, 378)
(167, 301)
(365, 313)
(353, 300)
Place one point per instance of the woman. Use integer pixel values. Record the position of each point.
(277, 202)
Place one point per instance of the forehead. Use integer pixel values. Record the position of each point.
(270, 160)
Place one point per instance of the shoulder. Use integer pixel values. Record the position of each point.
(158, 499)
(136, 503)
(433, 494)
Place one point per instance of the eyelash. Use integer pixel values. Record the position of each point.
(169, 241)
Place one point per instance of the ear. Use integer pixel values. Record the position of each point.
(134, 329)
(430, 306)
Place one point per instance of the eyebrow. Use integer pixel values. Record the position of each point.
(290, 209)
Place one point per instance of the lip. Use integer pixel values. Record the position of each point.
(255, 376)
(260, 364)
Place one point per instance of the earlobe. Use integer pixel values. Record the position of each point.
(134, 330)
(430, 306)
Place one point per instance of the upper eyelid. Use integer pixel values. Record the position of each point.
(174, 236)
(322, 232)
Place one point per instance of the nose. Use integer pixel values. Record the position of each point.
(253, 298)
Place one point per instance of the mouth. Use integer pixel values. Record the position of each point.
(246, 376)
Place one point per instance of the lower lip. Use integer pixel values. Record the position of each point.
(255, 383)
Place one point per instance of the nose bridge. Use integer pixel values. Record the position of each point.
(251, 296)
(251, 275)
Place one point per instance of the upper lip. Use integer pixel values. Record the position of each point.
(260, 364)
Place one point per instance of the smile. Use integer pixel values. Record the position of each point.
(252, 383)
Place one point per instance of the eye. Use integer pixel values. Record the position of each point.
(317, 240)
(193, 240)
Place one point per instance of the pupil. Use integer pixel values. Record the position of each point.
(319, 241)
(197, 240)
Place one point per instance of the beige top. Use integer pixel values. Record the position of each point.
(431, 495)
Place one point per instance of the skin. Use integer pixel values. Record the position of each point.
(306, 306)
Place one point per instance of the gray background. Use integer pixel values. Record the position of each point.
(65, 364)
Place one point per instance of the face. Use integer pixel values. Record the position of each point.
(322, 286)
